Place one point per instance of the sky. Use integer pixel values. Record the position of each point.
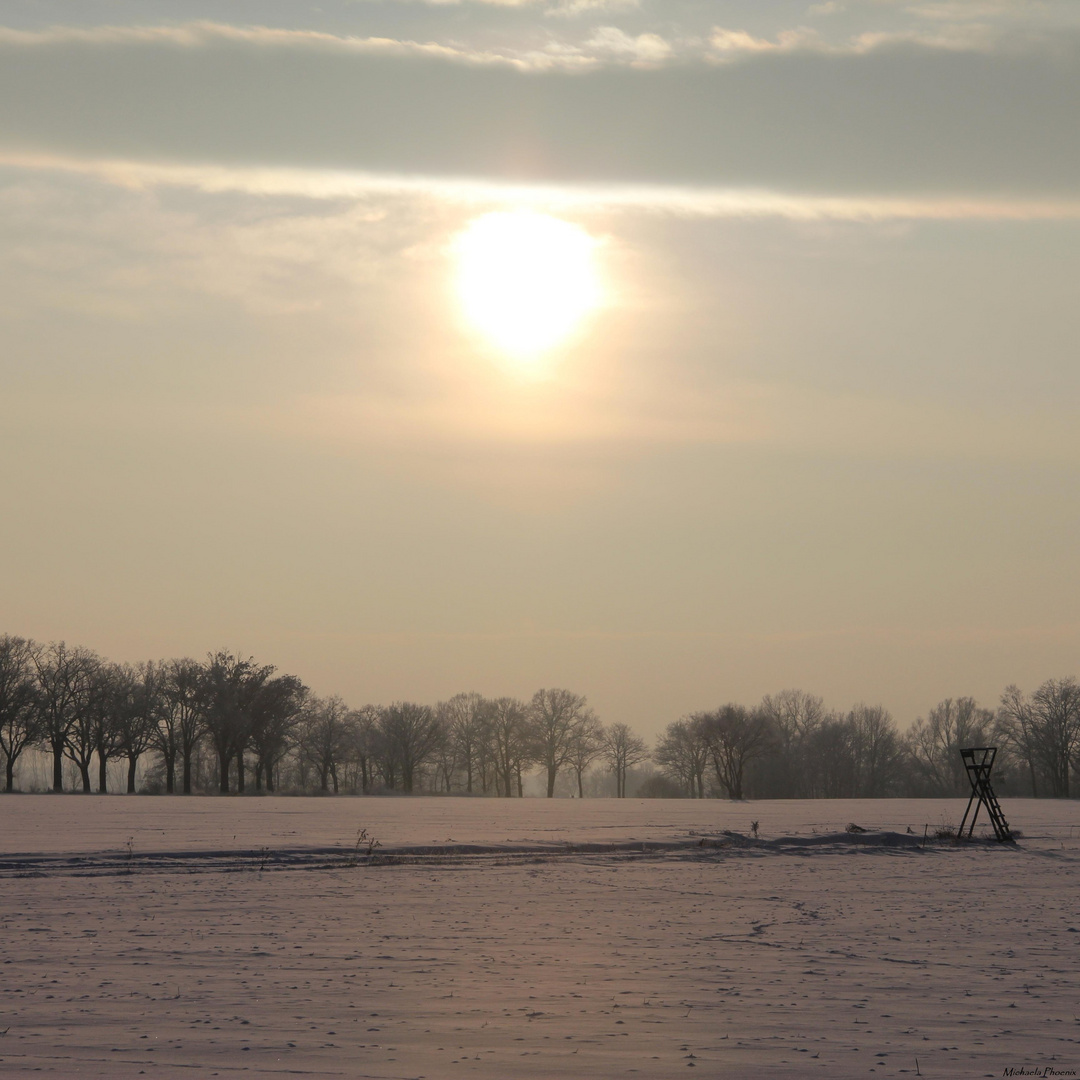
(816, 428)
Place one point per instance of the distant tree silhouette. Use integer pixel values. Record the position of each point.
(104, 703)
(623, 750)
(275, 713)
(683, 753)
(364, 735)
(508, 721)
(1016, 727)
(411, 734)
(465, 721)
(230, 685)
(1056, 712)
(735, 737)
(20, 718)
(95, 710)
(63, 682)
(140, 694)
(181, 718)
(555, 717)
(327, 723)
(587, 743)
(935, 743)
(794, 717)
(878, 751)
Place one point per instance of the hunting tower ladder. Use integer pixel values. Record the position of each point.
(979, 760)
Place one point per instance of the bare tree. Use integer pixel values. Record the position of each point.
(104, 701)
(139, 701)
(63, 680)
(231, 684)
(180, 719)
(935, 742)
(878, 750)
(275, 712)
(91, 725)
(1056, 709)
(508, 721)
(623, 750)
(1016, 728)
(555, 717)
(830, 760)
(412, 734)
(586, 744)
(363, 735)
(328, 735)
(445, 755)
(682, 752)
(465, 720)
(20, 723)
(794, 717)
(735, 737)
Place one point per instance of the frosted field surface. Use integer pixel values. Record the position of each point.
(501, 939)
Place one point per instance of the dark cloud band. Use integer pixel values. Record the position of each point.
(901, 118)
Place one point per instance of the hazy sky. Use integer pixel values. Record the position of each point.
(820, 431)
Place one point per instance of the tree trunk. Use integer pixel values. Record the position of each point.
(333, 774)
(9, 784)
(521, 786)
(187, 772)
(223, 766)
(102, 782)
(240, 772)
(58, 766)
(133, 761)
(84, 769)
(270, 777)
(552, 771)
(170, 775)
(580, 788)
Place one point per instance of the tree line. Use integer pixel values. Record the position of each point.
(792, 746)
(229, 724)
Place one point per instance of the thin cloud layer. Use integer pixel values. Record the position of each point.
(887, 117)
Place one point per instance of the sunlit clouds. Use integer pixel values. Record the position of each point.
(681, 201)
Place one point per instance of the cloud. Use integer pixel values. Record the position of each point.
(646, 48)
(698, 201)
(881, 118)
(728, 44)
(740, 42)
(573, 8)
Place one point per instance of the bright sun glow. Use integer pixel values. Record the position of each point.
(526, 279)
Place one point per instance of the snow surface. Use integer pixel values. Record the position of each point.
(533, 938)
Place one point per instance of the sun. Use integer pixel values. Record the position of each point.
(525, 279)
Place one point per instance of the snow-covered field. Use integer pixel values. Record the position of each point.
(489, 938)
